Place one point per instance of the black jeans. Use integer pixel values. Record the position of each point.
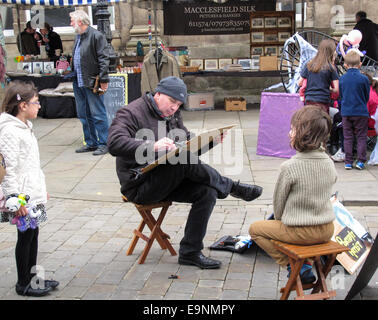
(26, 254)
(198, 184)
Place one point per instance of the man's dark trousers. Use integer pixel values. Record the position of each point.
(198, 184)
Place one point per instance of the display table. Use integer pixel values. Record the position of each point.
(65, 106)
(276, 110)
(51, 107)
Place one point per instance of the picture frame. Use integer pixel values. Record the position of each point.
(284, 22)
(270, 22)
(271, 50)
(283, 36)
(245, 63)
(257, 37)
(211, 64)
(235, 60)
(271, 37)
(37, 65)
(257, 23)
(257, 51)
(224, 62)
(28, 67)
(280, 50)
(255, 62)
(197, 62)
(48, 66)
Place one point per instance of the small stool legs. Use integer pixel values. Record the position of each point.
(156, 232)
(297, 255)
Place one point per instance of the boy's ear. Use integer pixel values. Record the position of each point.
(360, 65)
(345, 66)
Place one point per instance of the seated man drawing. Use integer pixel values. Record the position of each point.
(144, 129)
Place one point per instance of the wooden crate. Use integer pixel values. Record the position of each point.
(235, 104)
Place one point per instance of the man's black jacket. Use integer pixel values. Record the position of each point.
(94, 56)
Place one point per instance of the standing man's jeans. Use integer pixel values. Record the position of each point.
(355, 127)
(91, 112)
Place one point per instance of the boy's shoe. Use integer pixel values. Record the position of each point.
(360, 165)
(348, 166)
(339, 156)
(306, 275)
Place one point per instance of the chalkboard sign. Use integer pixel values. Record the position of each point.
(116, 95)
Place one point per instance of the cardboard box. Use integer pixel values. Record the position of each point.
(235, 104)
(200, 101)
(268, 63)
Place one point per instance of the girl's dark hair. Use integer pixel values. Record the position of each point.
(312, 127)
(324, 58)
(15, 93)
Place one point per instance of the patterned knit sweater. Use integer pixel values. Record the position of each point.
(303, 189)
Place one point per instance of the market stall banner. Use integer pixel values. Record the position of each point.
(207, 17)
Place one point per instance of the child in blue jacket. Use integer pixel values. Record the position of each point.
(354, 93)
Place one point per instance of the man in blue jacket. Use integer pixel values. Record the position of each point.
(90, 59)
(354, 94)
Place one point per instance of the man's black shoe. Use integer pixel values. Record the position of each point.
(100, 151)
(51, 284)
(29, 291)
(246, 192)
(85, 149)
(199, 260)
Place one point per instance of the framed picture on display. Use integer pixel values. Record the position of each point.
(48, 66)
(283, 36)
(211, 64)
(257, 51)
(197, 62)
(257, 37)
(284, 22)
(271, 37)
(271, 51)
(257, 23)
(27, 67)
(270, 22)
(37, 67)
(245, 63)
(255, 62)
(224, 62)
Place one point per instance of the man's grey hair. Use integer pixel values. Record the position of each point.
(80, 15)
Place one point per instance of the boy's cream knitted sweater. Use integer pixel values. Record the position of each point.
(303, 189)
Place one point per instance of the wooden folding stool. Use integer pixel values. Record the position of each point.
(297, 255)
(155, 227)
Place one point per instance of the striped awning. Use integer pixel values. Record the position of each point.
(61, 3)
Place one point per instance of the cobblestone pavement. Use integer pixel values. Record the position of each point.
(83, 245)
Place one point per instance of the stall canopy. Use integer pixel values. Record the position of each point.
(60, 3)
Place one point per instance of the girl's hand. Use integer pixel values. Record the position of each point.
(23, 211)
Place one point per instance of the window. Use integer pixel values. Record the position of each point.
(58, 18)
(7, 18)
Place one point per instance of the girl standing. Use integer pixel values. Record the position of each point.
(302, 207)
(23, 174)
(321, 76)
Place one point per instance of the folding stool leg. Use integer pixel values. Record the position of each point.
(295, 269)
(137, 233)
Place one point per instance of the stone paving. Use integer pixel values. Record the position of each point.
(83, 245)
